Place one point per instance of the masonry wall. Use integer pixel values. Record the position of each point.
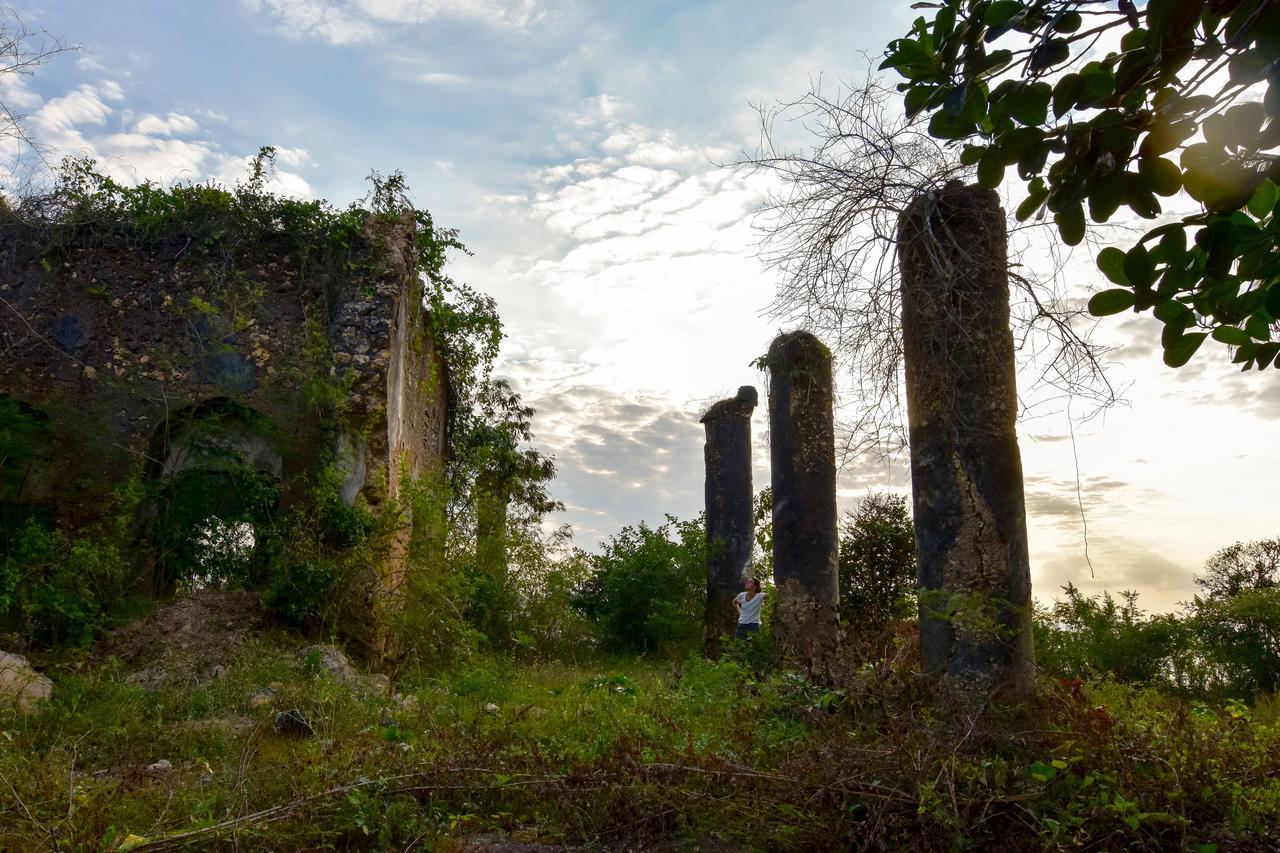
(110, 338)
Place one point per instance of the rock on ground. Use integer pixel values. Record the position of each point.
(20, 684)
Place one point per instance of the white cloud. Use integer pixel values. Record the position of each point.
(331, 21)
(350, 21)
(84, 122)
(165, 126)
(441, 78)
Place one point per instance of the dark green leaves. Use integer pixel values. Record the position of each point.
(1070, 222)
(990, 169)
(1111, 262)
(1139, 116)
(1028, 103)
(1110, 302)
(1179, 350)
(1160, 176)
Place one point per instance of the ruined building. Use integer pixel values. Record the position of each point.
(270, 374)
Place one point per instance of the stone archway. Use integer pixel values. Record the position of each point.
(216, 475)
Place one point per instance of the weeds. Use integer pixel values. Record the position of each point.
(627, 753)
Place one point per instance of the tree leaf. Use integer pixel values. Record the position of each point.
(1110, 302)
(1065, 93)
(1138, 267)
(1231, 336)
(971, 154)
(1111, 262)
(991, 169)
(1272, 302)
(1049, 54)
(1001, 12)
(1179, 351)
(1070, 222)
(1029, 103)
(1263, 200)
(1161, 176)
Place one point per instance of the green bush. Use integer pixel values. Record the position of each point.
(1082, 637)
(647, 589)
(877, 563)
(59, 588)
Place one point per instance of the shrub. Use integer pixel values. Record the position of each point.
(877, 563)
(56, 587)
(647, 588)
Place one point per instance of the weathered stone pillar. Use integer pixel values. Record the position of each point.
(802, 453)
(729, 509)
(966, 472)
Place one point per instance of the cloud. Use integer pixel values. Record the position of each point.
(441, 78)
(330, 21)
(620, 458)
(85, 122)
(341, 22)
(171, 124)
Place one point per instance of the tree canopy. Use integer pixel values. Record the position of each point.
(1098, 105)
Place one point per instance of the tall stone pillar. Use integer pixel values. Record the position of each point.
(966, 472)
(729, 509)
(802, 453)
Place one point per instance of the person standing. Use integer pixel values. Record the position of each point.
(747, 603)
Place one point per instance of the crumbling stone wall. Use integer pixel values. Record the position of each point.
(966, 470)
(111, 339)
(730, 513)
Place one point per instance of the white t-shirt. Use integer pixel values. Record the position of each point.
(750, 614)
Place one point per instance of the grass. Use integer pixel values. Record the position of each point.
(625, 753)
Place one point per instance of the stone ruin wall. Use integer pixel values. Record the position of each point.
(120, 336)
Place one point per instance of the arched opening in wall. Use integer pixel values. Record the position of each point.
(217, 471)
(26, 482)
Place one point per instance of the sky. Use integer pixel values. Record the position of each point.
(581, 150)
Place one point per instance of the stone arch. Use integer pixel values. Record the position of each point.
(215, 476)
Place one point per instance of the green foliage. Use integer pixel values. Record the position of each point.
(1084, 637)
(877, 563)
(1237, 618)
(647, 589)
(1225, 642)
(321, 559)
(59, 587)
(1091, 117)
(616, 753)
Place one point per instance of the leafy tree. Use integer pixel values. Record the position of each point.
(1088, 636)
(648, 587)
(1090, 103)
(1238, 616)
(877, 562)
(506, 482)
(1242, 567)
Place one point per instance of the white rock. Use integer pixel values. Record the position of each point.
(20, 684)
(160, 768)
(490, 708)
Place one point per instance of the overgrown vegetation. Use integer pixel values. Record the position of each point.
(627, 753)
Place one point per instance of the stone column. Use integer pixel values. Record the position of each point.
(802, 455)
(966, 472)
(729, 509)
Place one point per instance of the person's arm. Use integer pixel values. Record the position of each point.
(737, 608)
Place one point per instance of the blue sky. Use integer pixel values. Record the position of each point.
(576, 146)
